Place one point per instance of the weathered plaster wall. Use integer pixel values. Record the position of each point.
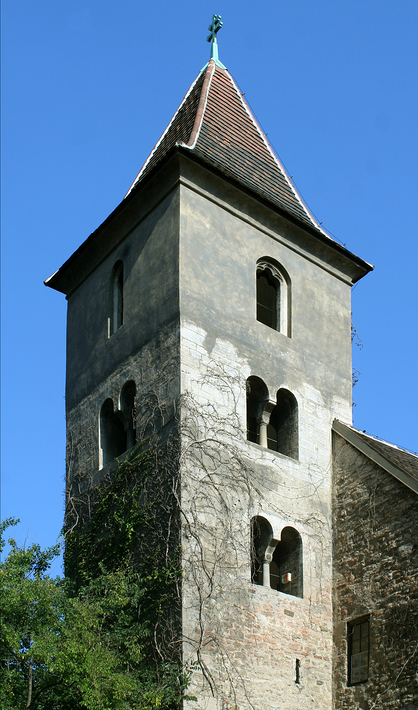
(150, 260)
(249, 636)
(155, 371)
(376, 573)
(145, 348)
(218, 255)
(190, 340)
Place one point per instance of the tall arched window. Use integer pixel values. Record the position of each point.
(268, 298)
(273, 296)
(257, 397)
(286, 568)
(112, 434)
(115, 318)
(282, 431)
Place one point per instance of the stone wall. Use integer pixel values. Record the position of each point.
(155, 484)
(155, 371)
(190, 341)
(246, 637)
(375, 520)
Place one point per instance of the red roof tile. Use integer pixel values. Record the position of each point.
(216, 124)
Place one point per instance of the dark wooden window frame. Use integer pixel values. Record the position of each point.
(358, 650)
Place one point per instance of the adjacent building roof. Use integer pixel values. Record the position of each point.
(216, 124)
(400, 463)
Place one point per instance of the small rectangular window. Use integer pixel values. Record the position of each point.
(358, 650)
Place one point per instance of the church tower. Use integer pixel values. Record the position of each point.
(213, 310)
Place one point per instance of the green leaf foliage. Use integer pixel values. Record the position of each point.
(87, 642)
(116, 514)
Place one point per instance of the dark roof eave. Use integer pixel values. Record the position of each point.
(314, 231)
(56, 280)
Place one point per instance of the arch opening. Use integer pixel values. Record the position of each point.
(286, 569)
(112, 434)
(261, 534)
(257, 396)
(127, 409)
(273, 295)
(268, 298)
(282, 431)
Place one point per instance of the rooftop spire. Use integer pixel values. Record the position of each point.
(216, 125)
(214, 28)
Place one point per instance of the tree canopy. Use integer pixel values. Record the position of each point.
(86, 642)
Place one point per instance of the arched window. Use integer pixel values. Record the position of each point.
(273, 296)
(286, 569)
(115, 318)
(127, 404)
(257, 397)
(282, 431)
(112, 434)
(261, 535)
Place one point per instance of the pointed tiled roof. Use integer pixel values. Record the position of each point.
(216, 124)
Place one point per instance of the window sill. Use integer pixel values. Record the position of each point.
(271, 451)
(112, 465)
(290, 598)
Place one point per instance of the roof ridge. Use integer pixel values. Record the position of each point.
(399, 463)
(203, 100)
(381, 441)
(161, 138)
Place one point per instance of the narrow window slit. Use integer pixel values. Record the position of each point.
(297, 671)
(115, 318)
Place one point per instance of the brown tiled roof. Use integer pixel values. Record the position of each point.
(215, 123)
(178, 131)
(400, 463)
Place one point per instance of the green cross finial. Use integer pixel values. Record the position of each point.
(214, 28)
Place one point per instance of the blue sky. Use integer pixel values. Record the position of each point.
(87, 89)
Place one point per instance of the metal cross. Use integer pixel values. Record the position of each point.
(214, 27)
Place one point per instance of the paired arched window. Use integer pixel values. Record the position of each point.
(274, 426)
(117, 427)
(115, 318)
(273, 296)
(276, 564)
